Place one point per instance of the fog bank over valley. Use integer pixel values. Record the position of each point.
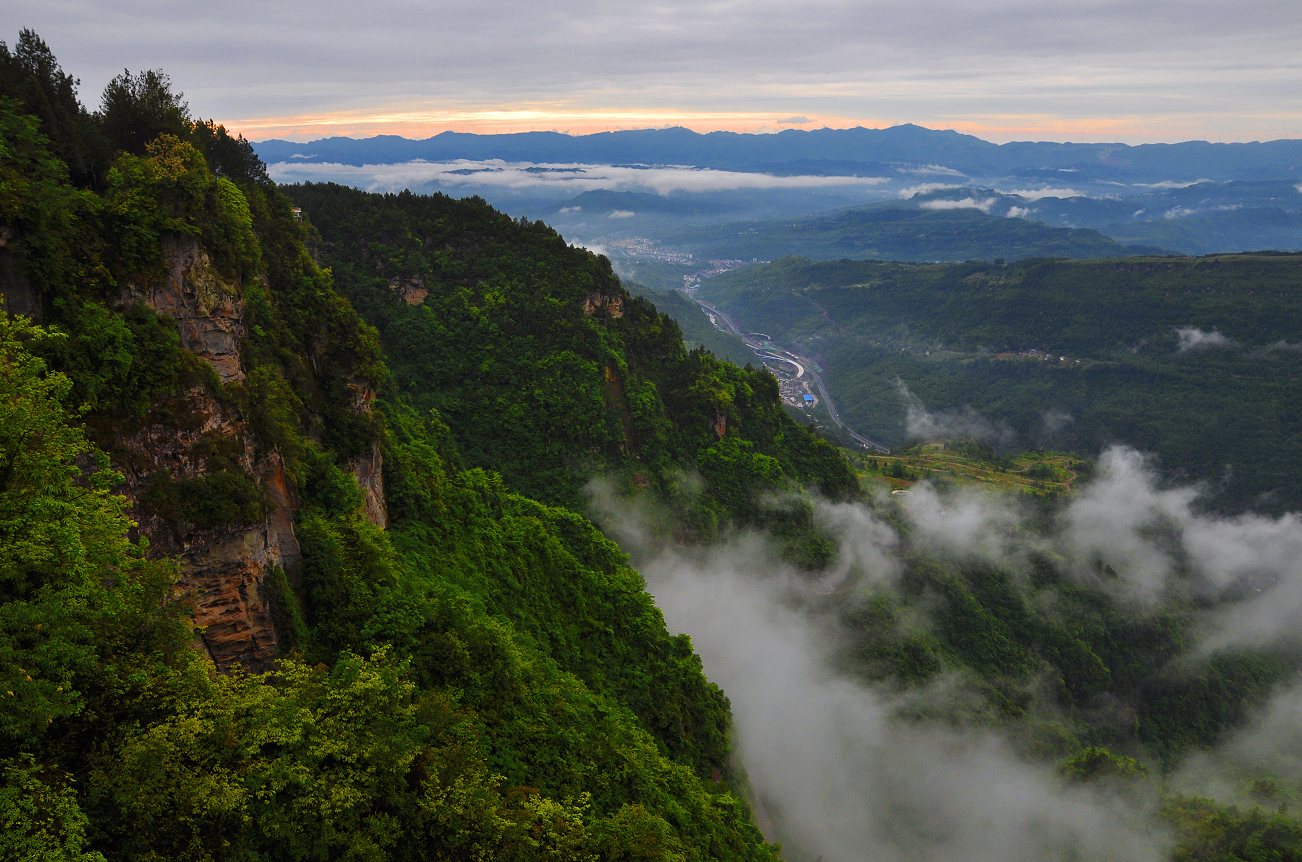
(1189, 198)
(847, 768)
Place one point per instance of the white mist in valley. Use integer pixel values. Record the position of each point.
(837, 771)
(834, 773)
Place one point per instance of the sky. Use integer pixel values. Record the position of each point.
(1162, 70)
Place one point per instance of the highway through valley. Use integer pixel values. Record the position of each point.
(804, 366)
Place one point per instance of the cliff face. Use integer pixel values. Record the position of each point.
(224, 569)
(369, 473)
(611, 302)
(369, 469)
(412, 290)
(208, 310)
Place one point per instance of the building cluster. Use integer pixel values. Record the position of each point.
(646, 249)
(794, 392)
(1032, 353)
(793, 388)
(716, 267)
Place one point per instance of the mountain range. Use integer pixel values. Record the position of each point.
(834, 152)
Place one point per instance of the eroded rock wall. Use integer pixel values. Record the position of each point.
(208, 309)
(369, 473)
(223, 569)
(612, 303)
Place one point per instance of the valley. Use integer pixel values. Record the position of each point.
(1182, 357)
(810, 495)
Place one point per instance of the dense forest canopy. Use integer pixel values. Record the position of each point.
(1192, 359)
(547, 370)
(486, 676)
(427, 650)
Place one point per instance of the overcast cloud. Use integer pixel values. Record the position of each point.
(1007, 69)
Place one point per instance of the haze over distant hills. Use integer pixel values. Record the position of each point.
(897, 233)
(711, 194)
(836, 152)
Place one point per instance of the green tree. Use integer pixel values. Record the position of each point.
(138, 108)
(32, 76)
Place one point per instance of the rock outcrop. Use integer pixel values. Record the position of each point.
(369, 473)
(612, 303)
(369, 469)
(208, 310)
(223, 569)
(411, 290)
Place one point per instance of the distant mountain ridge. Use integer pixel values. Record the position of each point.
(827, 151)
(606, 199)
(899, 231)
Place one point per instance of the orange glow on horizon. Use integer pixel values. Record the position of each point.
(419, 124)
(425, 124)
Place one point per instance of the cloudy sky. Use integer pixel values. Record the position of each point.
(1085, 70)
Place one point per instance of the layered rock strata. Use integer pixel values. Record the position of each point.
(224, 570)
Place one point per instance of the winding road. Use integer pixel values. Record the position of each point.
(803, 364)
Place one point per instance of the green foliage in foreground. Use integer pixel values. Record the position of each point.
(434, 713)
(485, 679)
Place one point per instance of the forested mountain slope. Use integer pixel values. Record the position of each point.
(546, 369)
(1194, 359)
(288, 569)
(453, 670)
(886, 232)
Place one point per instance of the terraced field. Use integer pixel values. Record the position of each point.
(960, 462)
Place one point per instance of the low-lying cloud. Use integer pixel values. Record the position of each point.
(1157, 542)
(1056, 420)
(962, 204)
(837, 768)
(527, 175)
(1192, 338)
(1164, 184)
(595, 247)
(965, 423)
(1268, 744)
(929, 170)
(927, 188)
(1280, 346)
(1040, 194)
(836, 773)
